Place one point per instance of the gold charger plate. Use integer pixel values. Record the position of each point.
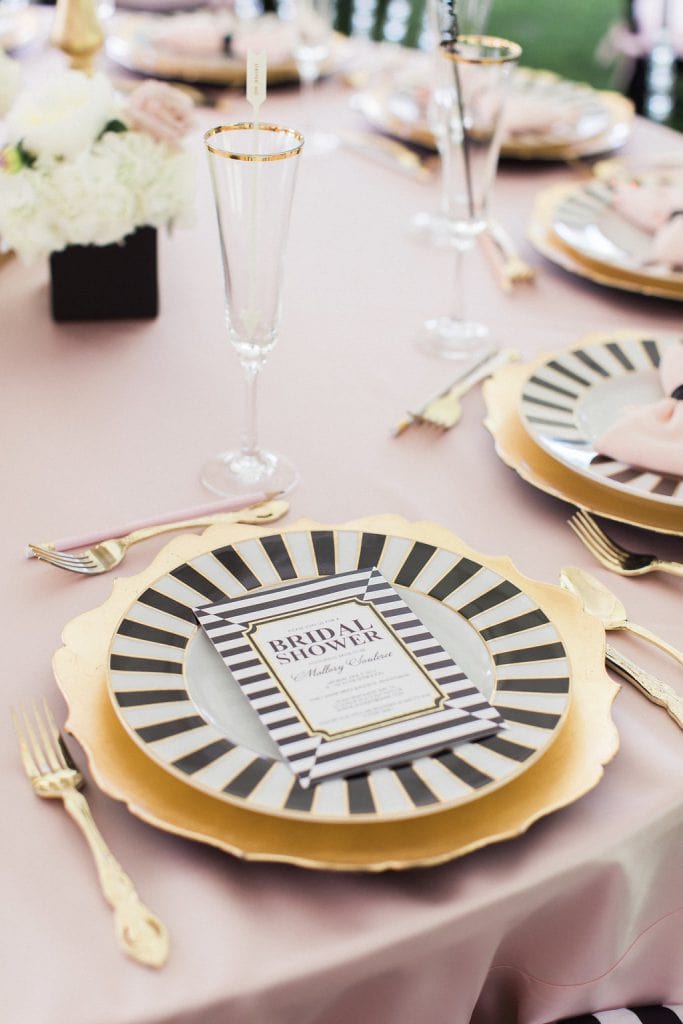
(545, 240)
(518, 451)
(376, 105)
(570, 768)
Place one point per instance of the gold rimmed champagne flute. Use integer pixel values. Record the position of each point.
(480, 69)
(470, 17)
(253, 172)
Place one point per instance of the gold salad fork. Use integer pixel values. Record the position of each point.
(102, 557)
(612, 555)
(53, 773)
(510, 266)
(444, 410)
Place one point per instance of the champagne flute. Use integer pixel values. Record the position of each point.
(313, 21)
(253, 171)
(470, 18)
(480, 70)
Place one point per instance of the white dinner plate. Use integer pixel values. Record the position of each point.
(575, 395)
(179, 703)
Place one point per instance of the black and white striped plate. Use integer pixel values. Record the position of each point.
(177, 700)
(571, 399)
(588, 223)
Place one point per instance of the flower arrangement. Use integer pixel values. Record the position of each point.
(81, 166)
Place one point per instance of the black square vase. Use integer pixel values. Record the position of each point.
(107, 282)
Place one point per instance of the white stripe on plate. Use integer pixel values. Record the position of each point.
(149, 616)
(301, 550)
(174, 747)
(543, 634)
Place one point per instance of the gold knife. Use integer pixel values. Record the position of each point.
(653, 688)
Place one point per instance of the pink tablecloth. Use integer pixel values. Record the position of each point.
(104, 423)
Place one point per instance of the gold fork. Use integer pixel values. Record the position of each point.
(102, 557)
(510, 266)
(52, 772)
(444, 410)
(612, 555)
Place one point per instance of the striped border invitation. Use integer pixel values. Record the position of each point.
(321, 739)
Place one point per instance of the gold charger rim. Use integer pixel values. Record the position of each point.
(587, 742)
(517, 449)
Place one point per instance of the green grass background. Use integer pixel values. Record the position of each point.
(564, 37)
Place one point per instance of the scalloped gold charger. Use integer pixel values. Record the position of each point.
(569, 768)
(514, 445)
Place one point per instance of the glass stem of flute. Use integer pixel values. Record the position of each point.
(252, 373)
(460, 250)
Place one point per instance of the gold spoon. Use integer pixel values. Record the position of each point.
(598, 600)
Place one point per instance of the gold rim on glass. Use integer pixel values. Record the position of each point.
(513, 51)
(251, 126)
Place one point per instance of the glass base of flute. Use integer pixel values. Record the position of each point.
(454, 336)
(253, 172)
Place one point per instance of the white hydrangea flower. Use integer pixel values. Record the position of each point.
(10, 73)
(63, 115)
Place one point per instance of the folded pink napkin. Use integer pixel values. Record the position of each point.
(651, 436)
(528, 115)
(648, 205)
(196, 34)
(667, 247)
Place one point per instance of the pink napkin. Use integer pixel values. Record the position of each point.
(657, 208)
(667, 247)
(528, 115)
(651, 436)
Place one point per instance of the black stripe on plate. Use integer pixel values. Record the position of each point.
(532, 400)
(467, 773)
(497, 595)
(625, 476)
(617, 351)
(162, 730)
(360, 795)
(539, 719)
(231, 561)
(323, 548)
(544, 652)
(140, 631)
(667, 486)
(507, 748)
(583, 1018)
(655, 1014)
(193, 579)
(652, 351)
(518, 624)
(163, 603)
(371, 547)
(138, 698)
(419, 793)
(454, 579)
(249, 778)
(591, 362)
(198, 759)
(300, 799)
(276, 549)
(567, 372)
(556, 684)
(127, 663)
(418, 557)
(551, 387)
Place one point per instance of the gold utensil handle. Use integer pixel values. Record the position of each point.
(266, 513)
(141, 935)
(653, 688)
(647, 634)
